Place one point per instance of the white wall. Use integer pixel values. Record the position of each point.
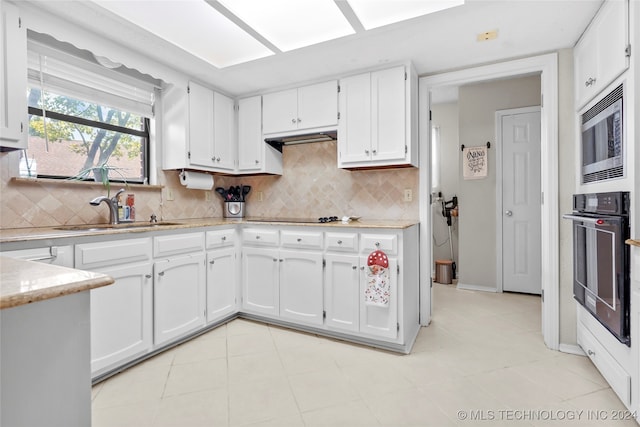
(477, 198)
(445, 116)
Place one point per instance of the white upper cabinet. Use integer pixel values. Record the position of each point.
(199, 130)
(13, 79)
(224, 136)
(254, 155)
(601, 54)
(309, 107)
(378, 119)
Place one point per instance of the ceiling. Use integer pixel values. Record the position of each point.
(437, 42)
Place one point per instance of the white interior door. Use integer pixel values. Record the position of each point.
(521, 200)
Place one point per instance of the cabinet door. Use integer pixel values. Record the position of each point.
(280, 111)
(221, 283)
(301, 286)
(354, 127)
(600, 55)
(374, 320)
(318, 105)
(342, 292)
(388, 114)
(201, 126)
(179, 301)
(224, 150)
(260, 278)
(13, 78)
(121, 319)
(250, 143)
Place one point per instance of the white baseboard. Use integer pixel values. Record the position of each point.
(571, 349)
(470, 287)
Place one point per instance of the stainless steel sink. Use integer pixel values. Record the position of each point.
(124, 225)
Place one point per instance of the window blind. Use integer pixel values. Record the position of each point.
(66, 74)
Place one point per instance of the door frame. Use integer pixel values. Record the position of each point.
(547, 66)
(499, 177)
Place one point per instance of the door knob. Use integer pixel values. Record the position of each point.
(508, 213)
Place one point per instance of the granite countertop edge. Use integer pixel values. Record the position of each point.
(9, 235)
(25, 282)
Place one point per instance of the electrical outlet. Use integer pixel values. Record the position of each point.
(169, 194)
(260, 196)
(408, 195)
(207, 196)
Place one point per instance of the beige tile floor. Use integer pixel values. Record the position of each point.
(481, 359)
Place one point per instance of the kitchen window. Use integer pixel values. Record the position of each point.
(85, 120)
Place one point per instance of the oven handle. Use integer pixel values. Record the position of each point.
(586, 219)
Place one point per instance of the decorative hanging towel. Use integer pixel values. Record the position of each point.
(376, 291)
(474, 162)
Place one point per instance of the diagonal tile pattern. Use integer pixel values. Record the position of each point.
(481, 358)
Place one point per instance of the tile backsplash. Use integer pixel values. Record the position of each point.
(311, 186)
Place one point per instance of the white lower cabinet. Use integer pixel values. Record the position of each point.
(380, 321)
(121, 321)
(346, 310)
(301, 286)
(121, 314)
(260, 280)
(342, 292)
(221, 283)
(178, 297)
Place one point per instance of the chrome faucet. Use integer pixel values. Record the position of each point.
(112, 203)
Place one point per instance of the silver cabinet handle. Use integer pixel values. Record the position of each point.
(362, 268)
(591, 353)
(281, 260)
(224, 238)
(299, 239)
(366, 152)
(293, 121)
(257, 162)
(161, 273)
(213, 261)
(355, 267)
(508, 213)
(339, 242)
(218, 159)
(148, 276)
(258, 237)
(275, 260)
(375, 152)
(590, 82)
(299, 119)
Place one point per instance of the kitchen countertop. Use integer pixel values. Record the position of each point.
(632, 242)
(39, 233)
(24, 282)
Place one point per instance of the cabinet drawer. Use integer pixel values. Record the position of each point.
(99, 254)
(219, 238)
(301, 239)
(260, 236)
(178, 244)
(616, 376)
(386, 243)
(343, 242)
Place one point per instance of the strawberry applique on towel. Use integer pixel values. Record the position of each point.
(377, 287)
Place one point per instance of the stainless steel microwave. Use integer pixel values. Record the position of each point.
(602, 139)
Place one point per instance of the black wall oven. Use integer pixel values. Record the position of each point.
(601, 258)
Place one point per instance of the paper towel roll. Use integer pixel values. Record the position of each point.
(196, 180)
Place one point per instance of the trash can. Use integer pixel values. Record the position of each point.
(444, 271)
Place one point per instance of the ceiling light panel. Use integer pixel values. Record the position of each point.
(377, 13)
(193, 26)
(292, 24)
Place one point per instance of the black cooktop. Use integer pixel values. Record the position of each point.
(321, 219)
